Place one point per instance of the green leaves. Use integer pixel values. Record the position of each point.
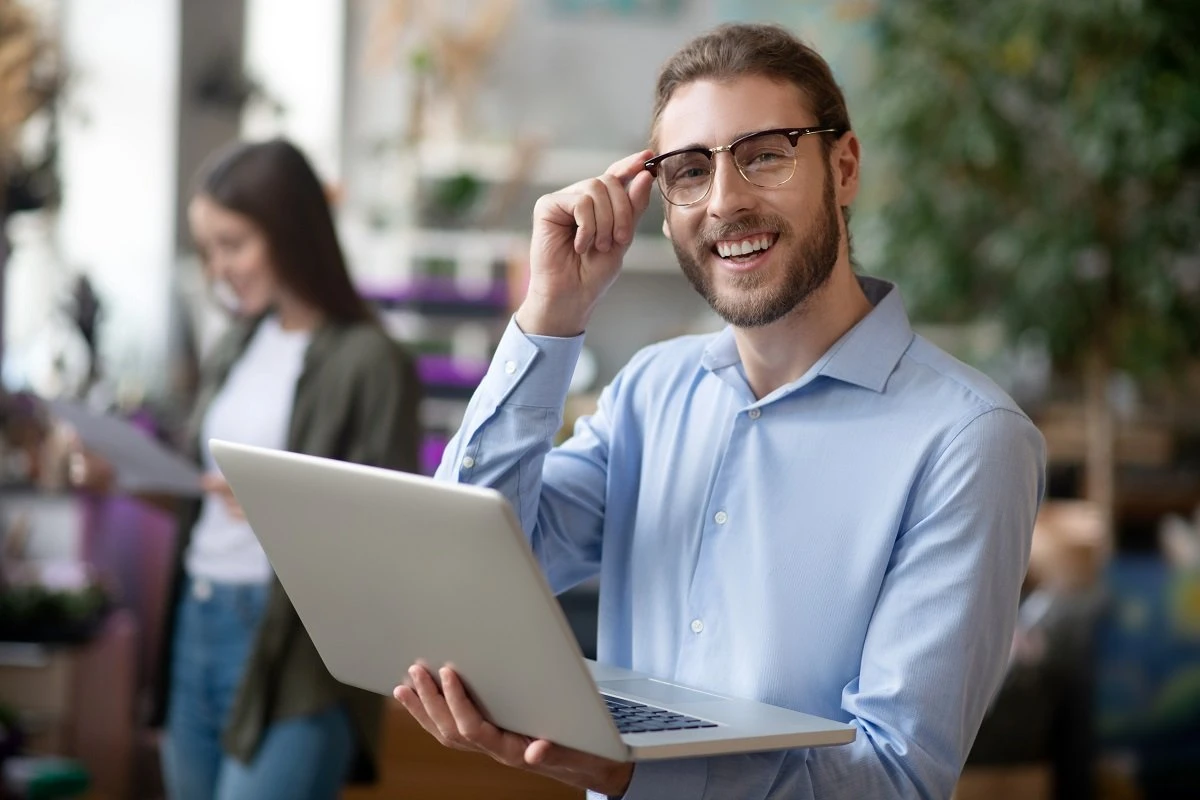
(1043, 169)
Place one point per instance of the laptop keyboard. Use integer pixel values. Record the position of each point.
(632, 717)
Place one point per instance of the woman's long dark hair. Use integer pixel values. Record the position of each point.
(274, 185)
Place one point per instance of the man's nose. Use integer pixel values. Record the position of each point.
(731, 194)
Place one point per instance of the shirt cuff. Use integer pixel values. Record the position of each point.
(679, 779)
(510, 375)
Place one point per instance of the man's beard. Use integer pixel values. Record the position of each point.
(761, 302)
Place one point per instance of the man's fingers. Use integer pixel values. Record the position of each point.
(635, 183)
(445, 728)
(466, 716)
(407, 696)
(430, 707)
(579, 769)
(600, 190)
(585, 223)
(640, 189)
(604, 209)
(506, 747)
(591, 207)
(629, 166)
(537, 753)
(548, 755)
(622, 211)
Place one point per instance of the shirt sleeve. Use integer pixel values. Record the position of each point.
(936, 647)
(505, 440)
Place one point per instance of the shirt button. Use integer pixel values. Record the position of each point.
(201, 589)
(468, 462)
(754, 413)
(720, 518)
(510, 367)
(697, 626)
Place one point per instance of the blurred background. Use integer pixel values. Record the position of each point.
(1031, 177)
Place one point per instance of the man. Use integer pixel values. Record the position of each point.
(814, 508)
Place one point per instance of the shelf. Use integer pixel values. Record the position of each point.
(440, 296)
(453, 376)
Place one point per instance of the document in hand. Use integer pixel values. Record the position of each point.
(141, 462)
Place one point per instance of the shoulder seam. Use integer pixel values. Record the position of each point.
(970, 419)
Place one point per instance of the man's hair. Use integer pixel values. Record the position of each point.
(769, 51)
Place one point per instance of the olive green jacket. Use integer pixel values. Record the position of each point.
(356, 400)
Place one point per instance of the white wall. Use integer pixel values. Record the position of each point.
(296, 50)
(118, 166)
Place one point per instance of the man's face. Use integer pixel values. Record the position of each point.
(798, 221)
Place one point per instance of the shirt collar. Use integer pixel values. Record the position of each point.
(865, 356)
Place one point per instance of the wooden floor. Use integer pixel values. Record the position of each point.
(416, 766)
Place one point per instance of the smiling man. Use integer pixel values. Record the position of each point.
(814, 507)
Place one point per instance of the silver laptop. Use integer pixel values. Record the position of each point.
(387, 569)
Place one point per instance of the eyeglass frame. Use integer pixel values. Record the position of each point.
(794, 135)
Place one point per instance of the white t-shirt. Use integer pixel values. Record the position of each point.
(253, 407)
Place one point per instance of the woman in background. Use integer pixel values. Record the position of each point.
(251, 711)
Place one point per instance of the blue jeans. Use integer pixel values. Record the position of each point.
(305, 758)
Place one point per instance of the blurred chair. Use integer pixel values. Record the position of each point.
(1038, 738)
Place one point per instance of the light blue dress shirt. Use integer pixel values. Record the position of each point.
(851, 545)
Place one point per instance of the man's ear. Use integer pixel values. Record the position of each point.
(666, 229)
(845, 158)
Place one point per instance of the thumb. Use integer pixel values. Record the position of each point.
(639, 191)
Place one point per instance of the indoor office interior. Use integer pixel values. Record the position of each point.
(1030, 181)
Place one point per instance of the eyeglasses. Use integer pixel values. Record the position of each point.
(766, 159)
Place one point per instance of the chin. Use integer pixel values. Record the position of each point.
(252, 307)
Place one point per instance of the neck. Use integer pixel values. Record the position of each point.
(296, 315)
(779, 353)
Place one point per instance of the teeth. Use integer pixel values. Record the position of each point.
(728, 250)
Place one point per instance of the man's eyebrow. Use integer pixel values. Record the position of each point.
(691, 146)
(740, 134)
(703, 146)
